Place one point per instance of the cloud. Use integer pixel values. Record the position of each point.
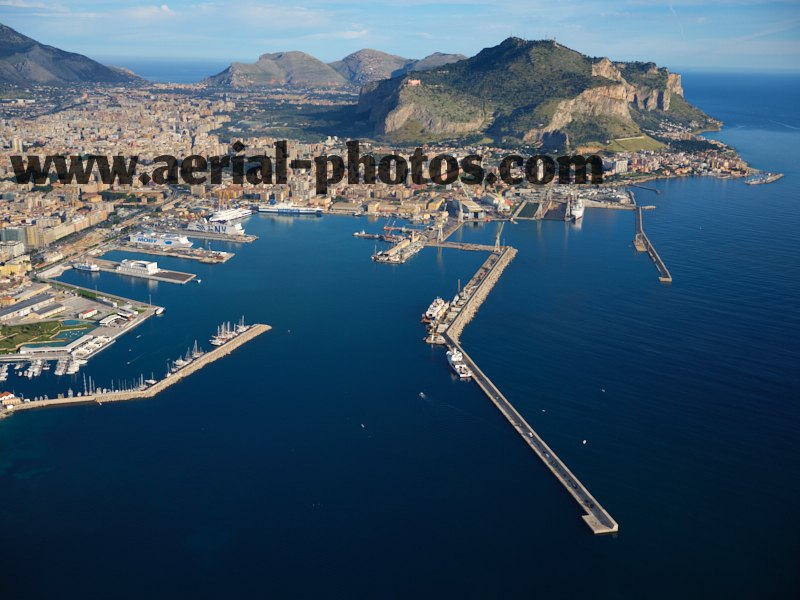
(149, 12)
(350, 34)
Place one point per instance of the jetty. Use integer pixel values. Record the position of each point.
(596, 517)
(642, 244)
(448, 332)
(195, 365)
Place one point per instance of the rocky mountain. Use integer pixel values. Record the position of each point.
(293, 69)
(370, 65)
(24, 61)
(536, 92)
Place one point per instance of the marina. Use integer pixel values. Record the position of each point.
(144, 389)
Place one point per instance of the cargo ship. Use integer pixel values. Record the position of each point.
(221, 227)
(287, 208)
(170, 240)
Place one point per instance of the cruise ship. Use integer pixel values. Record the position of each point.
(229, 215)
(287, 208)
(170, 240)
(456, 360)
(86, 266)
(221, 227)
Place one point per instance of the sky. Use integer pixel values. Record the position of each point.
(735, 35)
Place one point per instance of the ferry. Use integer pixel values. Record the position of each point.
(229, 215)
(221, 227)
(456, 360)
(437, 308)
(287, 208)
(86, 266)
(170, 240)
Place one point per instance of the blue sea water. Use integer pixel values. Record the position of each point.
(170, 70)
(307, 464)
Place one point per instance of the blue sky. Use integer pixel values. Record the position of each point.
(744, 35)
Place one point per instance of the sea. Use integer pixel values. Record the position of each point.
(337, 456)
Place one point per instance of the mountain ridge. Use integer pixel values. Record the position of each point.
(24, 61)
(529, 92)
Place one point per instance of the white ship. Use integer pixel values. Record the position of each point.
(226, 332)
(221, 227)
(170, 240)
(456, 360)
(435, 310)
(229, 215)
(287, 208)
(86, 266)
(576, 209)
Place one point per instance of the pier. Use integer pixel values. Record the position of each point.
(596, 517)
(461, 246)
(642, 244)
(199, 254)
(449, 332)
(218, 352)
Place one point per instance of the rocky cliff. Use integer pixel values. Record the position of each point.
(528, 92)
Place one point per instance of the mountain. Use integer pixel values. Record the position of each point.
(369, 65)
(530, 92)
(294, 69)
(24, 61)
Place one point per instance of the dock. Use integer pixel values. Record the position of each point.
(218, 352)
(642, 244)
(199, 254)
(461, 246)
(110, 266)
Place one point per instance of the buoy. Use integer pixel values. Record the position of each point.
(584, 442)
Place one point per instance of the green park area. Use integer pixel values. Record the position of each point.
(14, 336)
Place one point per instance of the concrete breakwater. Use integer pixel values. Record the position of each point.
(218, 352)
(481, 283)
(643, 244)
(474, 294)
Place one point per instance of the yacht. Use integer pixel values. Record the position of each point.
(456, 360)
